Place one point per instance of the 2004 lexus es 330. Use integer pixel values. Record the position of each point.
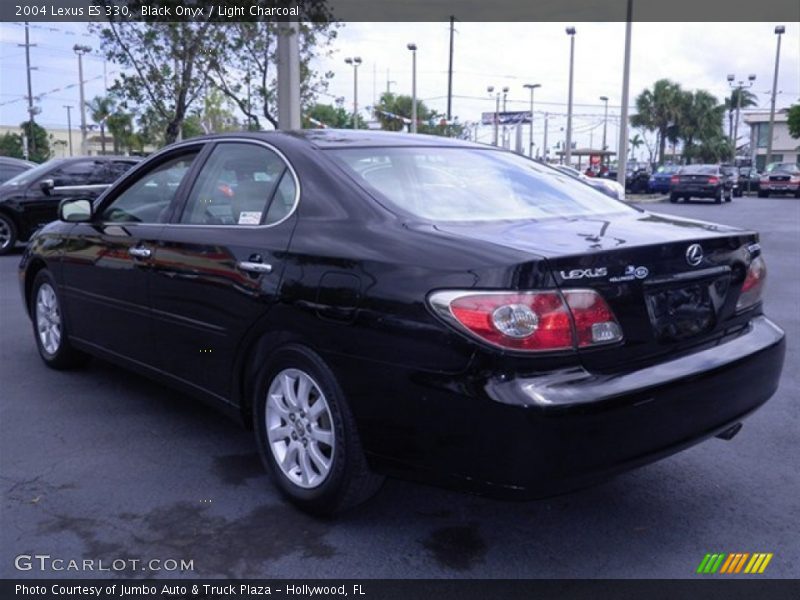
(379, 304)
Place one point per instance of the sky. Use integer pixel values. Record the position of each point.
(696, 55)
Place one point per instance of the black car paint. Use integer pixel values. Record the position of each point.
(350, 280)
(30, 206)
(688, 183)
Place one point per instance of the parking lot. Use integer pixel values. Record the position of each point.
(102, 464)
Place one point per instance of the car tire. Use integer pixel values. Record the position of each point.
(307, 436)
(673, 198)
(49, 325)
(718, 197)
(8, 234)
(729, 196)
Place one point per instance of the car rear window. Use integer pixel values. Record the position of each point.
(464, 184)
(699, 170)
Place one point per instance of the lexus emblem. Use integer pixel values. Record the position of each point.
(694, 254)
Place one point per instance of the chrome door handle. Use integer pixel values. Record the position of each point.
(254, 267)
(139, 252)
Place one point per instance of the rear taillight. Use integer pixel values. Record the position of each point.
(753, 284)
(674, 179)
(530, 321)
(713, 180)
(764, 179)
(794, 179)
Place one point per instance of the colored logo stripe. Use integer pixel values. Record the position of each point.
(734, 562)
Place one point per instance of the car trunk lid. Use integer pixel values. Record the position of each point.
(672, 283)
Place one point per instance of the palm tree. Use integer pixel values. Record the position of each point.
(101, 107)
(699, 123)
(657, 110)
(635, 142)
(741, 98)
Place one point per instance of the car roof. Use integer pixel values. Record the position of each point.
(10, 160)
(349, 138)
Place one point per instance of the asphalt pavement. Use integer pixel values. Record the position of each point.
(102, 464)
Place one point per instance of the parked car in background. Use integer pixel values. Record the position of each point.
(780, 178)
(606, 186)
(376, 304)
(659, 181)
(701, 181)
(732, 173)
(11, 167)
(31, 199)
(637, 177)
(749, 179)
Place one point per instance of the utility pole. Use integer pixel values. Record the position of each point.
(622, 148)
(31, 145)
(505, 130)
(69, 126)
(568, 149)
(605, 127)
(80, 51)
(490, 89)
(779, 30)
(545, 149)
(288, 77)
(450, 72)
(737, 91)
(413, 48)
(532, 87)
(354, 62)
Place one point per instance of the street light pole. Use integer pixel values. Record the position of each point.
(545, 149)
(605, 127)
(69, 126)
(779, 30)
(505, 131)
(568, 150)
(737, 90)
(413, 48)
(490, 89)
(622, 147)
(532, 87)
(355, 62)
(80, 51)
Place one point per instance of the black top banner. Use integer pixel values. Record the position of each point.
(401, 10)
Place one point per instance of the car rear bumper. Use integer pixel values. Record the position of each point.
(536, 436)
(695, 191)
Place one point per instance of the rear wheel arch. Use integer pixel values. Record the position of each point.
(36, 265)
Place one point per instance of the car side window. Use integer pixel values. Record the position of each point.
(82, 172)
(116, 169)
(241, 184)
(149, 198)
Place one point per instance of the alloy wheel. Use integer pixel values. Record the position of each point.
(48, 318)
(299, 428)
(6, 235)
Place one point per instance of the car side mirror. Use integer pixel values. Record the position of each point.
(75, 210)
(47, 185)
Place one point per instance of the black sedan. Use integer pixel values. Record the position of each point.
(702, 181)
(31, 199)
(387, 304)
(11, 167)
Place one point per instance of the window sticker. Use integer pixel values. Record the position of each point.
(250, 217)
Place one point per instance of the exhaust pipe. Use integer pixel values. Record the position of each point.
(729, 433)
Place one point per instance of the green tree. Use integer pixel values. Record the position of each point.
(100, 108)
(657, 110)
(244, 63)
(41, 141)
(120, 126)
(217, 115)
(393, 108)
(163, 64)
(700, 125)
(794, 121)
(327, 114)
(11, 145)
(635, 142)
